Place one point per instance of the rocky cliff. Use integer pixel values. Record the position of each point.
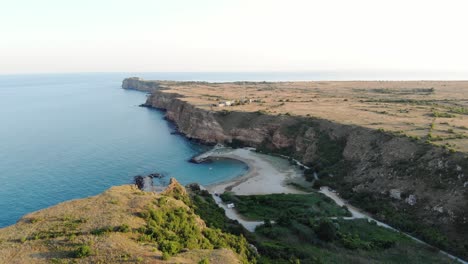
(140, 84)
(417, 187)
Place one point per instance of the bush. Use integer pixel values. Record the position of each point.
(101, 231)
(204, 261)
(309, 174)
(82, 251)
(442, 115)
(166, 256)
(123, 228)
(170, 247)
(326, 230)
(354, 242)
(317, 184)
(176, 228)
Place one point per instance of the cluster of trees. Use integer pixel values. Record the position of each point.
(383, 209)
(175, 229)
(286, 240)
(287, 206)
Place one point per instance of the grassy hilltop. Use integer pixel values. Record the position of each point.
(121, 225)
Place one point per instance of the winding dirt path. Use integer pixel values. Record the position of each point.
(266, 177)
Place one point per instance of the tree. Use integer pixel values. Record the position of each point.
(326, 230)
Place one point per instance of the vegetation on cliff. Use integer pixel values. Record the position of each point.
(260, 207)
(121, 225)
(292, 233)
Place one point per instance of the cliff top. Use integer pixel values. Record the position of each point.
(436, 111)
(111, 227)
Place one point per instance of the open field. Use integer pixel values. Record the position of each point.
(433, 111)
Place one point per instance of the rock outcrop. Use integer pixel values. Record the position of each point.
(139, 84)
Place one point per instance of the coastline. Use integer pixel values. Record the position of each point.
(211, 127)
(263, 176)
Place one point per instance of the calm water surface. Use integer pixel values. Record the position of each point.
(71, 136)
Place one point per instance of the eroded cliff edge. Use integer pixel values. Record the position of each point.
(414, 186)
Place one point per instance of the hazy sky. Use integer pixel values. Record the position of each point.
(232, 35)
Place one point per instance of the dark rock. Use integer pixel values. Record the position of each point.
(139, 181)
(156, 175)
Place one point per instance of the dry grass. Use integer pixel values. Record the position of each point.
(53, 234)
(406, 107)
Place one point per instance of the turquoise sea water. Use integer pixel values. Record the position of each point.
(71, 136)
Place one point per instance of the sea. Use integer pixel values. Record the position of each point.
(69, 136)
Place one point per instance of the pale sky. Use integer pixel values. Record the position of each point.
(232, 35)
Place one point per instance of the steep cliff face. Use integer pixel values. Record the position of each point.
(409, 183)
(194, 124)
(139, 84)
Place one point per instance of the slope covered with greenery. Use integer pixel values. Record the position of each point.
(121, 225)
(297, 230)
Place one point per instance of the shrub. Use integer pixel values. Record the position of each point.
(170, 247)
(101, 231)
(82, 251)
(309, 175)
(317, 184)
(442, 115)
(204, 261)
(166, 256)
(354, 242)
(123, 228)
(326, 230)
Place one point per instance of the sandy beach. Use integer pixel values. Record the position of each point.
(266, 174)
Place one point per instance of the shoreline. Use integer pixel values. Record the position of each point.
(247, 185)
(262, 176)
(257, 181)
